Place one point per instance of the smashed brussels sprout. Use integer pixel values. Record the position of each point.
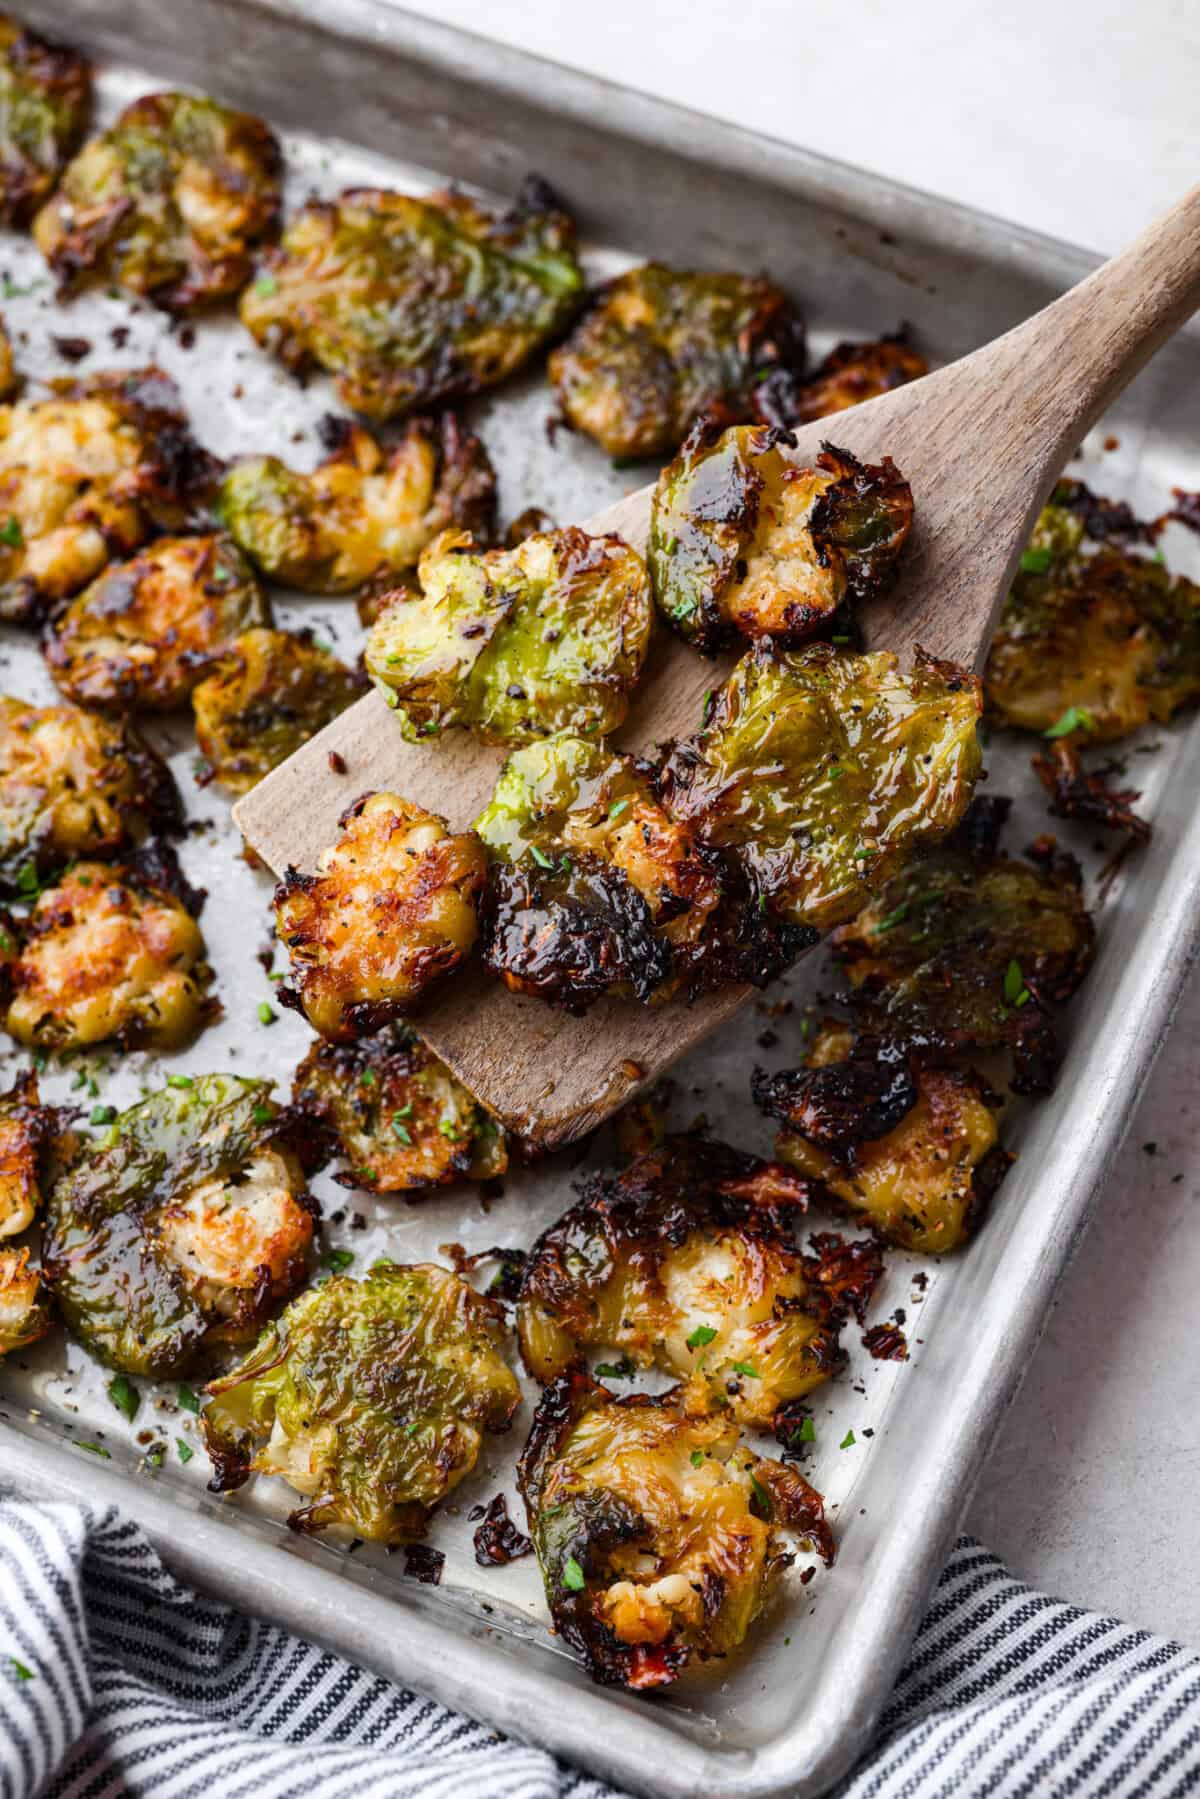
(661, 345)
(392, 908)
(45, 103)
(850, 374)
(516, 644)
(184, 1225)
(401, 1120)
(595, 888)
(24, 1311)
(75, 784)
(408, 302)
(109, 955)
(685, 1262)
(172, 202)
(88, 475)
(658, 1535)
(1096, 641)
(147, 631)
(363, 514)
(911, 1150)
(268, 694)
(370, 1397)
(825, 770)
(745, 542)
(969, 948)
(26, 1127)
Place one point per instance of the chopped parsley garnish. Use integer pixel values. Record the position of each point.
(697, 1458)
(614, 812)
(848, 1441)
(262, 1115)
(339, 1260)
(186, 1452)
(1075, 718)
(540, 857)
(892, 920)
(266, 285)
(124, 1396)
(95, 1449)
(186, 1399)
(762, 1499)
(572, 1576)
(400, 1129)
(703, 1333)
(19, 1669)
(11, 533)
(1015, 991)
(745, 1368)
(102, 1114)
(266, 1013)
(180, 1080)
(1036, 562)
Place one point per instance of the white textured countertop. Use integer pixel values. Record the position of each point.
(1076, 117)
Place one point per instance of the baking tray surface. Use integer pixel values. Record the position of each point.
(861, 255)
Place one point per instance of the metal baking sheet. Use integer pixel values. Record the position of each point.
(365, 93)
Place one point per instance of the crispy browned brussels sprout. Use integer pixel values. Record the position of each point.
(24, 1311)
(392, 908)
(1088, 794)
(911, 1150)
(850, 374)
(516, 644)
(88, 475)
(401, 1119)
(109, 955)
(685, 1261)
(409, 302)
(529, 523)
(45, 103)
(147, 631)
(172, 202)
(268, 694)
(75, 784)
(1093, 641)
(824, 771)
(660, 345)
(371, 1397)
(183, 1226)
(658, 1535)
(744, 541)
(26, 1128)
(969, 948)
(364, 514)
(595, 888)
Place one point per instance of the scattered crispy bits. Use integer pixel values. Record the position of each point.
(886, 1342)
(424, 1564)
(498, 1541)
(1087, 796)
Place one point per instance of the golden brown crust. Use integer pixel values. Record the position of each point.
(147, 631)
(109, 956)
(391, 910)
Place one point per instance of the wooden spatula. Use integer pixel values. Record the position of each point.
(981, 441)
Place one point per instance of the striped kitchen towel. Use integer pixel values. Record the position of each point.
(114, 1680)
